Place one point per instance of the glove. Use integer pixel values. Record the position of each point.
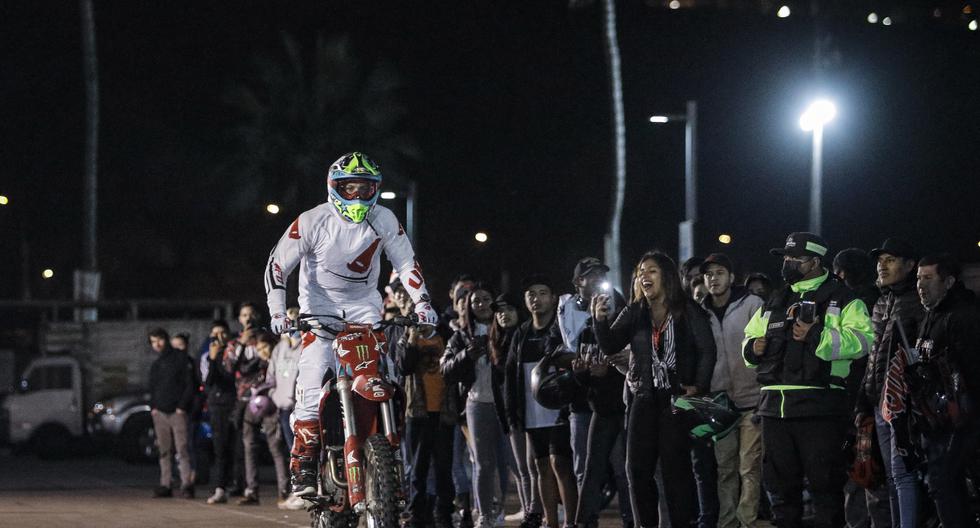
(280, 324)
(426, 318)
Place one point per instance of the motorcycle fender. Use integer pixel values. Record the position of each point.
(373, 388)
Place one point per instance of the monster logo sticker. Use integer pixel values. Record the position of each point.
(362, 352)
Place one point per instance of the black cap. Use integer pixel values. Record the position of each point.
(538, 278)
(803, 245)
(588, 265)
(504, 299)
(894, 246)
(717, 258)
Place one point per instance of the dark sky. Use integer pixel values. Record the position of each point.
(509, 106)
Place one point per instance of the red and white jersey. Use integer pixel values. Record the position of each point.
(339, 263)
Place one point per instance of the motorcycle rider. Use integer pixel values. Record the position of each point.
(337, 246)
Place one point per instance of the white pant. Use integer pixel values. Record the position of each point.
(317, 357)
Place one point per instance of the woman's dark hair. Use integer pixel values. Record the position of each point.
(498, 338)
(674, 296)
(467, 319)
(268, 338)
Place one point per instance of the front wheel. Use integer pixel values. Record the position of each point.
(382, 474)
(323, 517)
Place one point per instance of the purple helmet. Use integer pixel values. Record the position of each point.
(261, 405)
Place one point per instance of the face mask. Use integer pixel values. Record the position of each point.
(791, 271)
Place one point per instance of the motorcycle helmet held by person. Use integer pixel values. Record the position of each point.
(553, 388)
(352, 183)
(709, 418)
(260, 405)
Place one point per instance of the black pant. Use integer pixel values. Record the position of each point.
(654, 431)
(948, 454)
(227, 440)
(795, 448)
(706, 476)
(604, 432)
(428, 440)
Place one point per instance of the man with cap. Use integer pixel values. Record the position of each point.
(801, 344)
(739, 454)
(898, 306)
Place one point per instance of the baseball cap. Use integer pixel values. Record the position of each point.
(894, 246)
(802, 244)
(588, 265)
(717, 258)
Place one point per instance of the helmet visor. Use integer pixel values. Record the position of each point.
(355, 188)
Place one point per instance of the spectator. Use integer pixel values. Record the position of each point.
(282, 372)
(947, 376)
(739, 454)
(451, 314)
(862, 507)
(802, 343)
(171, 394)
(505, 322)
(430, 417)
(547, 439)
(671, 353)
(690, 270)
(759, 284)
(699, 290)
(261, 414)
(467, 361)
(179, 342)
(219, 329)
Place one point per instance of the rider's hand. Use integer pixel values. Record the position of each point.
(280, 324)
(427, 319)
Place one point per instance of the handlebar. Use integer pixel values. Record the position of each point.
(307, 322)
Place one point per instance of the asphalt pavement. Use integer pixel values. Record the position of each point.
(103, 491)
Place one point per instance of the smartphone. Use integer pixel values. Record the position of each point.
(808, 312)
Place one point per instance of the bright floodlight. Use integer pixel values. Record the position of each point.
(674, 4)
(480, 237)
(818, 114)
(887, 21)
(272, 209)
(725, 239)
(4, 200)
(659, 119)
(873, 18)
(783, 12)
(48, 273)
(387, 195)
(973, 25)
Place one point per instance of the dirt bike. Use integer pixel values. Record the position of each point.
(361, 472)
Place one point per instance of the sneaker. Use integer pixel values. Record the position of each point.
(517, 516)
(292, 503)
(162, 492)
(532, 520)
(187, 492)
(249, 498)
(219, 496)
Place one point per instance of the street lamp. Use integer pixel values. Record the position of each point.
(388, 195)
(4, 200)
(48, 273)
(272, 208)
(481, 237)
(686, 228)
(725, 238)
(818, 114)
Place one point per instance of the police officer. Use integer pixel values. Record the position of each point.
(801, 344)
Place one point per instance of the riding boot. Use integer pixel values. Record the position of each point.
(305, 457)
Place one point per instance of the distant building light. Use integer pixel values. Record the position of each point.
(481, 237)
(725, 238)
(272, 209)
(4, 200)
(887, 21)
(48, 273)
(674, 4)
(873, 18)
(388, 195)
(972, 25)
(659, 119)
(783, 12)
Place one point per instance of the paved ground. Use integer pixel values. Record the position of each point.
(100, 491)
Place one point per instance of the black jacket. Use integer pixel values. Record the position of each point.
(220, 384)
(953, 328)
(171, 381)
(458, 368)
(899, 302)
(514, 382)
(694, 346)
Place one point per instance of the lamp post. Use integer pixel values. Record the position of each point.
(686, 228)
(818, 114)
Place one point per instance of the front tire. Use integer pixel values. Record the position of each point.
(383, 483)
(327, 518)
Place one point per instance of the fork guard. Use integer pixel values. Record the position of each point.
(373, 388)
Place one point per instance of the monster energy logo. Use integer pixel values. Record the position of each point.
(362, 352)
(354, 474)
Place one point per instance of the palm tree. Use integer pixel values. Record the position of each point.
(299, 111)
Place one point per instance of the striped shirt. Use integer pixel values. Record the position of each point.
(664, 353)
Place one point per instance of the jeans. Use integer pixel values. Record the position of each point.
(706, 477)
(739, 458)
(579, 423)
(287, 429)
(171, 431)
(481, 420)
(904, 486)
(429, 441)
(606, 449)
(947, 456)
(527, 473)
(269, 425)
(225, 436)
(462, 467)
(867, 508)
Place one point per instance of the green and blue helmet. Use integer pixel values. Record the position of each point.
(353, 182)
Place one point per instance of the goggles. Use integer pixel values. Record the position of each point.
(355, 188)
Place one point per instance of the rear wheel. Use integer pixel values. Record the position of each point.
(383, 483)
(138, 440)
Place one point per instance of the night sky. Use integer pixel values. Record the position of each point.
(506, 108)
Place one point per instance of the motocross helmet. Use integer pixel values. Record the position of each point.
(709, 418)
(552, 388)
(353, 202)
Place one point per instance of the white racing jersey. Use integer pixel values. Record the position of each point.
(339, 263)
